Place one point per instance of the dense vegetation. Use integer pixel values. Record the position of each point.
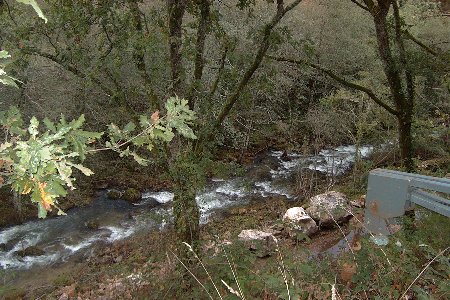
(294, 75)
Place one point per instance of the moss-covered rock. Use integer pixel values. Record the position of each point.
(92, 224)
(30, 251)
(132, 195)
(114, 194)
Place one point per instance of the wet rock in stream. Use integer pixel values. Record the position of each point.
(30, 251)
(132, 195)
(92, 224)
(114, 194)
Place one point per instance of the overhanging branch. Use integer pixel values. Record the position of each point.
(427, 48)
(360, 5)
(339, 79)
(68, 67)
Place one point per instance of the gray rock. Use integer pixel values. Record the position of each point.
(3, 247)
(262, 243)
(329, 208)
(296, 221)
(30, 251)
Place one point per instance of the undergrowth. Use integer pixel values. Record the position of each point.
(414, 265)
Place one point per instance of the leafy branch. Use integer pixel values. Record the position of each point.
(40, 162)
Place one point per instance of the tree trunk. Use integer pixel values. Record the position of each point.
(187, 214)
(204, 7)
(139, 54)
(176, 9)
(405, 141)
(393, 72)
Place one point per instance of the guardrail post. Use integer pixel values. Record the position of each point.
(391, 193)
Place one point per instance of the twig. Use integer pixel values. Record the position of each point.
(204, 268)
(192, 274)
(234, 273)
(124, 143)
(282, 268)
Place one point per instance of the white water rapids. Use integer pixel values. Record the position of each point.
(63, 236)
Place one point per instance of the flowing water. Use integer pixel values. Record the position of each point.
(64, 236)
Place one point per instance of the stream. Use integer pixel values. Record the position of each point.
(62, 237)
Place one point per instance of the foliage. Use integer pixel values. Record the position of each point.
(179, 118)
(370, 272)
(40, 162)
(5, 78)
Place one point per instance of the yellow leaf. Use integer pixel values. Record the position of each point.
(46, 199)
(26, 189)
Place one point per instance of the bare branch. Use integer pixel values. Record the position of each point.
(263, 47)
(425, 47)
(69, 67)
(341, 80)
(361, 5)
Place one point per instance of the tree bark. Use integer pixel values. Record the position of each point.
(187, 215)
(204, 7)
(139, 55)
(393, 71)
(176, 10)
(406, 142)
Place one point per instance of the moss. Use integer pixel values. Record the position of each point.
(132, 195)
(92, 224)
(114, 194)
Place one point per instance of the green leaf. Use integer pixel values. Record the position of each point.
(83, 169)
(33, 128)
(143, 121)
(61, 213)
(42, 212)
(49, 124)
(139, 160)
(129, 127)
(4, 54)
(65, 172)
(55, 188)
(35, 7)
(75, 124)
(6, 79)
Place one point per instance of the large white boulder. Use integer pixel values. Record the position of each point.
(329, 208)
(296, 220)
(261, 242)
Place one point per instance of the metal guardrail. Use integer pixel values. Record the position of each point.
(391, 193)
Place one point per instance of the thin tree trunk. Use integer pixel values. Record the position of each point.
(139, 55)
(406, 142)
(187, 214)
(176, 10)
(204, 7)
(392, 70)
